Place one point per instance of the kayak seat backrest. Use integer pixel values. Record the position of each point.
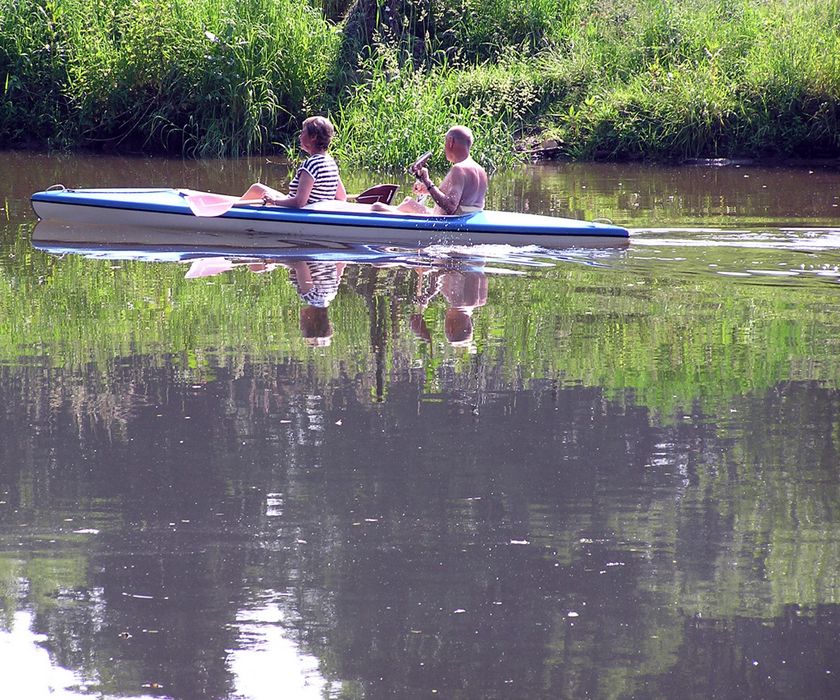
(378, 193)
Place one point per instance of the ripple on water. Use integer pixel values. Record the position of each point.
(761, 255)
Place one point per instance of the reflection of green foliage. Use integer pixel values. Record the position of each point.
(672, 341)
(10, 573)
(78, 312)
(648, 646)
(49, 575)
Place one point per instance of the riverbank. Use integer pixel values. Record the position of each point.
(665, 80)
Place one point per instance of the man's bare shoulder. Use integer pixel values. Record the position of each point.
(466, 164)
(465, 169)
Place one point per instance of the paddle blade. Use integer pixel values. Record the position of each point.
(209, 204)
(420, 163)
(205, 267)
(377, 193)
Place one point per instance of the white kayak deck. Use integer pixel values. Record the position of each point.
(167, 209)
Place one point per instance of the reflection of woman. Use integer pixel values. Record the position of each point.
(317, 284)
(464, 291)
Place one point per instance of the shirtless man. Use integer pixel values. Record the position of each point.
(463, 188)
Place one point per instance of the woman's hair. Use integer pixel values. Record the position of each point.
(320, 130)
(315, 325)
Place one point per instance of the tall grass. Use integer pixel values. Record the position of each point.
(664, 79)
(661, 79)
(206, 77)
(400, 112)
(458, 32)
(703, 78)
(33, 70)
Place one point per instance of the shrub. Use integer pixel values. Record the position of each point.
(401, 112)
(208, 77)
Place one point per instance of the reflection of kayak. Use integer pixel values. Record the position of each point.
(161, 245)
(213, 250)
(165, 208)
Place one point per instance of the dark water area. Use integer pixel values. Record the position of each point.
(459, 472)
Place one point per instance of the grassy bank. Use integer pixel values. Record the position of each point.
(658, 79)
(203, 77)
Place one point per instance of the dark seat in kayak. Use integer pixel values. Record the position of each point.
(377, 193)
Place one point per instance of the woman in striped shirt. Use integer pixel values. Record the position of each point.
(317, 179)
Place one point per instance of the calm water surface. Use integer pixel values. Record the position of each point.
(458, 472)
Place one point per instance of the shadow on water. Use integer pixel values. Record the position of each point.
(366, 471)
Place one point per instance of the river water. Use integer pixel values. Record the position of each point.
(489, 472)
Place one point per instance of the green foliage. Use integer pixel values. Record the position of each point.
(789, 92)
(686, 79)
(207, 77)
(665, 79)
(333, 9)
(512, 90)
(459, 32)
(33, 69)
(399, 113)
(658, 114)
(486, 29)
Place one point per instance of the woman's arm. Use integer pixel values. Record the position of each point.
(341, 193)
(304, 189)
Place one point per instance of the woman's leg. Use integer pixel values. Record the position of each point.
(258, 191)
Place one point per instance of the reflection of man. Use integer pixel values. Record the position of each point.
(464, 291)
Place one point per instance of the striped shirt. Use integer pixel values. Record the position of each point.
(325, 280)
(324, 172)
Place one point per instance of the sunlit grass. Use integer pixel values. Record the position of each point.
(704, 79)
(397, 114)
(204, 77)
(664, 79)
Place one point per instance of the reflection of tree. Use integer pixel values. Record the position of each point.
(677, 532)
(384, 536)
(671, 344)
(366, 282)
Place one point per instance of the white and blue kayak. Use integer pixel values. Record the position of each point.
(169, 209)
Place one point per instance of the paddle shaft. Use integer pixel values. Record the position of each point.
(210, 204)
(216, 205)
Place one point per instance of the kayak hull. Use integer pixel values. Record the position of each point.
(166, 209)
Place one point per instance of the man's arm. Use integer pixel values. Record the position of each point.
(448, 195)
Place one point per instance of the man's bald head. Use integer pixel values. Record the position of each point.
(461, 135)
